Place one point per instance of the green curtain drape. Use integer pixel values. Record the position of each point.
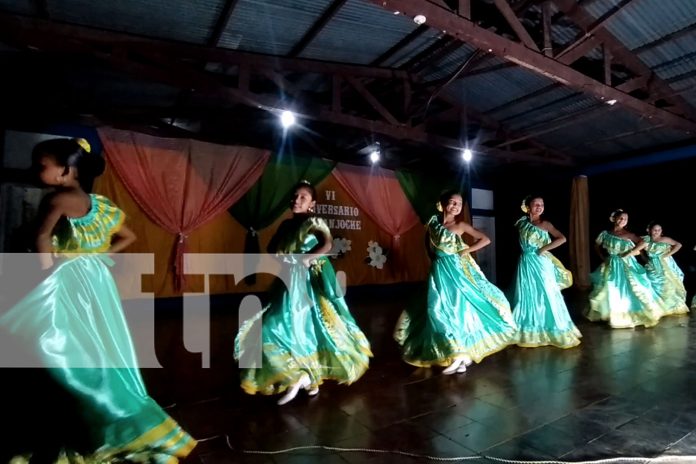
(423, 191)
(268, 199)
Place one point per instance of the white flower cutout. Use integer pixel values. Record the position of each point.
(373, 248)
(378, 261)
(340, 246)
(375, 255)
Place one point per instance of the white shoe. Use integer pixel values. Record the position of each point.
(462, 368)
(467, 361)
(313, 392)
(292, 391)
(454, 366)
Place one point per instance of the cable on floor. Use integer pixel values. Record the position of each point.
(642, 460)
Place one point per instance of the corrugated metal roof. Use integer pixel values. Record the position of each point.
(489, 90)
(418, 45)
(25, 7)
(271, 26)
(570, 103)
(597, 136)
(542, 102)
(687, 89)
(449, 63)
(181, 20)
(644, 21)
(359, 33)
(671, 58)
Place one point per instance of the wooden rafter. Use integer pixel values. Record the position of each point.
(469, 32)
(546, 27)
(620, 53)
(514, 22)
(28, 29)
(175, 64)
(464, 9)
(374, 102)
(577, 50)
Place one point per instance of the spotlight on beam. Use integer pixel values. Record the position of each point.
(467, 154)
(287, 119)
(374, 156)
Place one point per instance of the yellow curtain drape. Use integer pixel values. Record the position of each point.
(579, 236)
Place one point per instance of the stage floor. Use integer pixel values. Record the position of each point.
(622, 393)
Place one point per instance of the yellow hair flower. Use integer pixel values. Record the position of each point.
(438, 206)
(84, 144)
(524, 207)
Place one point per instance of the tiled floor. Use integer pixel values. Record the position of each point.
(622, 393)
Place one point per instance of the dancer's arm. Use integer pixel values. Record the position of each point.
(640, 244)
(321, 249)
(558, 238)
(481, 239)
(428, 247)
(122, 239)
(676, 246)
(51, 210)
(600, 251)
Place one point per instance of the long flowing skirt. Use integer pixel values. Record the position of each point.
(622, 295)
(668, 281)
(73, 324)
(462, 314)
(306, 329)
(539, 310)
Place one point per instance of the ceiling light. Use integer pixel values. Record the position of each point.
(287, 118)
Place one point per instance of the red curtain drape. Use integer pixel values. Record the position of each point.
(378, 193)
(181, 184)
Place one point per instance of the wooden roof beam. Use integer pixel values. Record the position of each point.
(619, 51)
(468, 32)
(514, 22)
(26, 29)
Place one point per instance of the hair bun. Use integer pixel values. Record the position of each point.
(84, 144)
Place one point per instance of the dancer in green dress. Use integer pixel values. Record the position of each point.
(539, 310)
(308, 335)
(464, 317)
(74, 321)
(621, 291)
(665, 275)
